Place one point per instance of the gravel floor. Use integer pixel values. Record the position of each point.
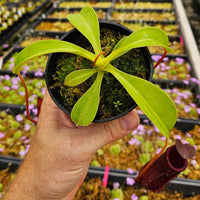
(192, 8)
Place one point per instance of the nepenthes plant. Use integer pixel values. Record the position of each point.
(155, 103)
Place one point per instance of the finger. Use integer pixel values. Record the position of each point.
(93, 137)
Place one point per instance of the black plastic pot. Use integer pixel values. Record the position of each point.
(72, 37)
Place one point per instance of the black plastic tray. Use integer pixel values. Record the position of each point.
(143, 10)
(9, 72)
(193, 87)
(18, 48)
(16, 108)
(144, 21)
(12, 162)
(171, 56)
(41, 7)
(165, 22)
(31, 33)
(150, 23)
(182, 124)
(111, 2)
(10, 5)
(155, 9)
(153, 23)
(13, 109)
(176, 38)
(52, 10)
(162, 83)
(154, 1)
(40, 20)
(186, 186)
(16, 27)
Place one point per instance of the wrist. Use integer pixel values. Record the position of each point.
(21, 191)
(23, 187)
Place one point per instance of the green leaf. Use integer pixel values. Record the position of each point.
(77, 77)
(149, 36)
(87, 23)
(46, 47)
(85, 109)
(153, 101)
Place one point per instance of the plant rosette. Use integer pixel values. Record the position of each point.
(151, 99)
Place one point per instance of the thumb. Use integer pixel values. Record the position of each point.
(99, 134)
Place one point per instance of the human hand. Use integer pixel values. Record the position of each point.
(60, 153)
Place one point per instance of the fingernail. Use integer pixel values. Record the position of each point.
(130, 121)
